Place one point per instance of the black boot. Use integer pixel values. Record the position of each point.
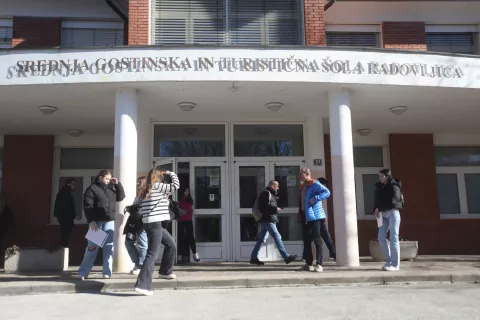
(257, 262)
(290, 259)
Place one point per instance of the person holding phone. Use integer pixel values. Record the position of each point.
(99, 204)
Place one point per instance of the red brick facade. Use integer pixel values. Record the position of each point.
(138, 22)
(404, 35)
(314, 23)
(31, 33)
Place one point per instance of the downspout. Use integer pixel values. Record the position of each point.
(328, 5)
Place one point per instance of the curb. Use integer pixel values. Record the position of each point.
(122, 285)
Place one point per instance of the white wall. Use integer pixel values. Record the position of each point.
(57, 8)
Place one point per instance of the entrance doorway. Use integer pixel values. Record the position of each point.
(250, 179)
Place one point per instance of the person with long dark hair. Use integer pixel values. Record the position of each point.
(186, 238)
(388, 202)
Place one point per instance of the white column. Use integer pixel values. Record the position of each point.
(343, 182)
(125, 167)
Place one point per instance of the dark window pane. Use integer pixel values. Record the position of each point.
(369, 181)
(452, 42)
(248, 228)
(77, 193)
(368, 157)
(208, 188)
(457, 156)
(268, 140)
(288, 194)
(252, 182)
(472, 184)
(208, 228)
(86, 158)
(352, 39)
(447, 187)
(289, 227)
(189, 141)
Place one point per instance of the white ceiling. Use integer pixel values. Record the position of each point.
(91, 107)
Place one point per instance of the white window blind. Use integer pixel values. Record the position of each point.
(250, 22)
(91, 37)
(352, 39)
(452, 42)
(6, 34)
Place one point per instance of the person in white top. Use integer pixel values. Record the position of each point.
(155, 205)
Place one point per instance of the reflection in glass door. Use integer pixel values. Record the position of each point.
(250, 179)
(209, 202)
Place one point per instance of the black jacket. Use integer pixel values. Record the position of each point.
(266, 207)
(99, 201)
(64, 205)
(388, 196)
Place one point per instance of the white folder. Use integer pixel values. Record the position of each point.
(98, 237)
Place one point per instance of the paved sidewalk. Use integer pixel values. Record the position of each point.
(439, 269)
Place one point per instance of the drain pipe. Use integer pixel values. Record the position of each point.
(328, 5)
(115, 7)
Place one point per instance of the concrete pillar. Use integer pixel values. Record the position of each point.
(344, 203)
(125, 167)
(315, 147)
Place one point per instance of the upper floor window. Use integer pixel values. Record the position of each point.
(6, 33)
(236, 22)
(77, 34)
(452, 42)
(352, 39)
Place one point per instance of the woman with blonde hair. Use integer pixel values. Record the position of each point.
(155, 209)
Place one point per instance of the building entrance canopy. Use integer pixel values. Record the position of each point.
(318, 65)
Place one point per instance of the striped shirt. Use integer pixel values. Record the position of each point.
(155, 208)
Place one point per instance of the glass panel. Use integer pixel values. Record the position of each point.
(252, 182)
(472, 184)
(208, 188)
(368, 157)
(86, 158)
(77, 193)
(189, 141)
(183, 173)
(248, 228)
(369, 181)
(268, 140)
(288, 194)
(208, 228)
(457, 156)
(289, 227)
(447, 188)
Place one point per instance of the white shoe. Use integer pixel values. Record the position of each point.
(306, 267)
(81, 278)
(167, 276)
(135, 271)
(390, 268)
(106, 277)
(196, 257)
(318, 268)
(145, 292)
(385, 266)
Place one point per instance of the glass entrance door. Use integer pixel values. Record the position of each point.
(210, 203)
(250, 179)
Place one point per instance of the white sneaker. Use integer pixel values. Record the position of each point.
(106, 277)
(171, 276)
(306, 267)
(385, 266)
(145, 292)
(196, 257)
(390, 268)
(81, 278)
(318, 268)
(135, 271)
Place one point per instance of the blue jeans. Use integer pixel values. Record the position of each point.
(391, 221)
(272, 229)
(92, 249)
(137, 254)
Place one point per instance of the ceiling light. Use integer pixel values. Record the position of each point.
(186, 106)
(364, 132)
(75, 133)
(274, 106)
(47, 110)
(399, 110)
(189, 131)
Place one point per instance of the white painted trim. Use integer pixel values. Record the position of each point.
(6, 22)
(432, 28)
(92, 24)
(353, 28)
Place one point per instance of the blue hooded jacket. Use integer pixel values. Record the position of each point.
(316, 192)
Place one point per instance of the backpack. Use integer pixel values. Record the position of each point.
(257, 215)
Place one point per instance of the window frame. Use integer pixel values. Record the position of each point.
(7, 24)
(462, 191)
(474, 35)
(114, 26)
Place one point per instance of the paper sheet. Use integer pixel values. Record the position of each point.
(98, 237)
(380, 221)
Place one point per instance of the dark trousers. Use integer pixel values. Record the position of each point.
(186, 239)
(156, 236)
(312, 231)
(66, 228)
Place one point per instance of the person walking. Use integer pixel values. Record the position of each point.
(155, 209)
(186, 239)
(65, 212)
(99, 204)
(136, 241)
(267, 205)
(388, 202)
(311, 213)
(324, 231)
